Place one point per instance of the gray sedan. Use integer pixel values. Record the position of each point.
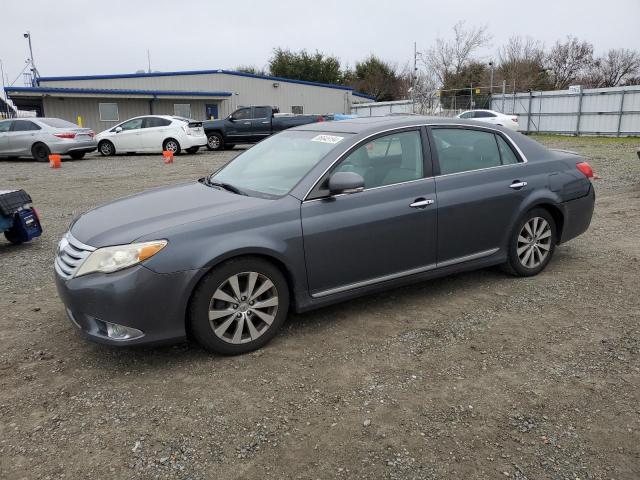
(316, 215)
(39, 137)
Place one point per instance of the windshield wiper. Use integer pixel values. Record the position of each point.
(226, 186)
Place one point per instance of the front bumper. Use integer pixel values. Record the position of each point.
(63, 148)
(136, 297)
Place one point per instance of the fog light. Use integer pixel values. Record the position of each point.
(120, 332)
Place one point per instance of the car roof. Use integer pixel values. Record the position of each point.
(372, 124)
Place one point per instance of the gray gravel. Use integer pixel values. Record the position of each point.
(478, 375)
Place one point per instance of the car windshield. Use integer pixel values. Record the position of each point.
(57, 123)
(275, 165)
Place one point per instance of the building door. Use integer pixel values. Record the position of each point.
(211, 111)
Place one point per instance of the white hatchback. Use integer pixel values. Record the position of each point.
(152, 133)
(493, 117)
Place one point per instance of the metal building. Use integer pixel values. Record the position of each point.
(102, 101)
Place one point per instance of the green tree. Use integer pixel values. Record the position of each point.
(377, 78)
(302, 65)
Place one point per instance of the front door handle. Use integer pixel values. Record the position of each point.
(266, 123)
(421, 203)
(517, 185)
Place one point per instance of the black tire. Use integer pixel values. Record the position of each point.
(106, 148)
(538, 244)
(13, 237)
(229, 146)
(171, 145)
(202, 304)
(193, 150)
(215, 142)
(40, 152)
(77, 155)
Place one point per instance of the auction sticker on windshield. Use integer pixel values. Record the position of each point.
(327, 139)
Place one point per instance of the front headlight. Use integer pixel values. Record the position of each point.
(112, 259)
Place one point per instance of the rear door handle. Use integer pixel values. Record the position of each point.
(266, 123)
(421, 203)
(517, 185)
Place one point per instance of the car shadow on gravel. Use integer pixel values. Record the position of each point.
(316, 323)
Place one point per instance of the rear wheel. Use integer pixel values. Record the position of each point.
(106, 148)
(77, 155)
(171, 145)
(239, 306)
(192, 149)
(215, 141)
(40, 152)
(532, 243)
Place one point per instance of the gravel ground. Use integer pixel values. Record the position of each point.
(478, 375)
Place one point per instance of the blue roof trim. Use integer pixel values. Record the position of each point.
(115, 91)
(200, 72)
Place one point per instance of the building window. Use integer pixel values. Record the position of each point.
(108, 112)
(182, 110)
(297, 109)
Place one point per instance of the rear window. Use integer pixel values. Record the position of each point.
(57, 123)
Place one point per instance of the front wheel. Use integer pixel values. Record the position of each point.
(106, 148)
(215, 141)
(532, 243)
(192, 149)
(239, 306)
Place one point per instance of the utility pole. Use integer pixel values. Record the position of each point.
(34, 70)
(149, 60)
(491, 78)
(415, 77)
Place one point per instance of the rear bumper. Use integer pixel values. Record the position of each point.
(135, 297)
(577, 215)
(189, 141)
(64, 148)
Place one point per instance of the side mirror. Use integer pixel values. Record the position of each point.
(231, 119)
(118, 129)
(345, 182)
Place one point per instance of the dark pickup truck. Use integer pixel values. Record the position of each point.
(250, 125)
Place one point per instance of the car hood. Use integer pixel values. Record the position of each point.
(130, 218)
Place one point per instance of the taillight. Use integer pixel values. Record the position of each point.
(92, 133)
(585, 168)
(65, 135)
(320, 118)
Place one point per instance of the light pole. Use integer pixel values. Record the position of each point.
(34, 70)
(491, 78)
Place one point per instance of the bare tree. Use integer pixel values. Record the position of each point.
(568, 61)
(521, 60)
(615, 68)
(449, 56)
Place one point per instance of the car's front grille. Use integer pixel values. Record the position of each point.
(71, 254)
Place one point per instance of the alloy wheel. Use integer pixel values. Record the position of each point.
(243, 307)
(171, 146)
(534, 242)
(214, 142)
(105, 149)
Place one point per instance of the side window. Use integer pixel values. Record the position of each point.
(182, 110)
(132, 124)
(461, 150)
(506, 153)
(467, 115)
(151, 122)
(4, 126)
(297, 109)
(262, 112)
(390, 159)
(108, 112)
(242, 114)
(23, 126)
(482, 114)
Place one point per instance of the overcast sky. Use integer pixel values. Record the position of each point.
(100, 37)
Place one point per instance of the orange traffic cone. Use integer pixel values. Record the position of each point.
(168, 156)
(54, 161)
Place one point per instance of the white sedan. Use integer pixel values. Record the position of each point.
(490, 116)
(152, 133)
